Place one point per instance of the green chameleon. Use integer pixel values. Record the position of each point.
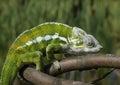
(39, 44)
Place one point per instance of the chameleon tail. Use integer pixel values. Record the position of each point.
(9, 72)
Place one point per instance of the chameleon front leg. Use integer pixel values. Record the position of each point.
(32, 57)
(50, 51)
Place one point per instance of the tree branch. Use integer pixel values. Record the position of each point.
(69, 64)
(39, 78)
(86, 63)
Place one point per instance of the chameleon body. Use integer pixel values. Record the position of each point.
(39, 44)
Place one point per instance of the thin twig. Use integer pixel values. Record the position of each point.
(102, 77)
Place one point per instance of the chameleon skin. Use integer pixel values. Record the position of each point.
(39, 44)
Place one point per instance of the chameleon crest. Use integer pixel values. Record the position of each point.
(39, 44)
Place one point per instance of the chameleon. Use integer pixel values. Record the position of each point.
(39, 44)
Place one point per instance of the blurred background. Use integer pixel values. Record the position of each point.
(101, 18)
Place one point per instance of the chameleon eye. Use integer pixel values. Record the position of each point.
(91, 44)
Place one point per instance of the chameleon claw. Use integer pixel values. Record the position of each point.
(56, 65)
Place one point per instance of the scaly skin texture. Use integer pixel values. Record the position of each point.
(39, 44)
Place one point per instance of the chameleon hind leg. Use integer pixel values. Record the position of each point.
(32, 57)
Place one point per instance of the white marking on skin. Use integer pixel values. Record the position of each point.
(48, 37)
(39, 39)
(63, 39)
(55, 36)
(20, 47)
(45, 38)
(34, 41)
(29, 43)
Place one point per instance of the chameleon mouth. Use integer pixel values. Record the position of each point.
(78, 47)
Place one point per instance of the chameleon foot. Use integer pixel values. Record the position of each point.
(56, 65)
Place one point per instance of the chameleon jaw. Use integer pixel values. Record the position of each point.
(83, 49)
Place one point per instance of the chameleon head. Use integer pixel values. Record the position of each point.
(81, 42)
